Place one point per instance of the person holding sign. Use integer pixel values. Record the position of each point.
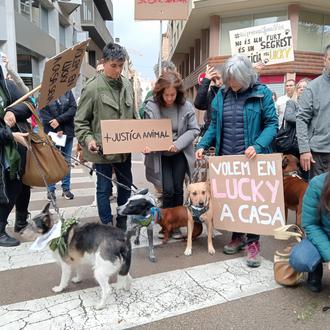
(13, 192)
(167, 169)
(108, 95)
(244, 121)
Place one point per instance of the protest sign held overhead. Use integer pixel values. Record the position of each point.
(161, 10)
(269, 44)
(61, 73)
(122, 136)
(247, 194)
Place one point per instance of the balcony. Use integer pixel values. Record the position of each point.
(92, 21)
(105, 8)
(69, 5)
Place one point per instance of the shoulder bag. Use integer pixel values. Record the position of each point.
(283, 272)
(44, 162)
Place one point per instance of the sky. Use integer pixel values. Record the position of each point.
(140, 38)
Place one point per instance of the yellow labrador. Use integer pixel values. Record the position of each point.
(199, 210)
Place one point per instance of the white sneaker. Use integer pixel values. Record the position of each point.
(176, 234)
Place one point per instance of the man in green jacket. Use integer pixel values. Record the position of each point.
(108, 95)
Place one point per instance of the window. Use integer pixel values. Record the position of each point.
(228, 24)
(241, 22)
(92, 58)
(62, 35)
(310, 31)
(44, 19)
(274, 17)
(25, 7)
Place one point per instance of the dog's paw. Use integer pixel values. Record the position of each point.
(211, 250)
(76, 279)
(57, 289)
(188, 252)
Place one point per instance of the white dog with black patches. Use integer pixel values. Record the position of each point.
(107, 249)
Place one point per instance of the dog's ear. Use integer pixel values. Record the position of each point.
(285, 162)
(46, 209)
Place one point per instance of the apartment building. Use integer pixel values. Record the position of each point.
(204, 37)
(31, 31)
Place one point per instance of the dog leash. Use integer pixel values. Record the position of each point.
(92, 169)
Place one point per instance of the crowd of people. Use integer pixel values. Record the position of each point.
(242, 117)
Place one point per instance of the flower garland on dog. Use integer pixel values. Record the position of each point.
(60, 243)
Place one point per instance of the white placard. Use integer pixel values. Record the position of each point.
(58, 140)
(269, 44)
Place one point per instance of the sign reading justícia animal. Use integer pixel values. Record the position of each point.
(122, 136)
(247, 194)
(269, 44)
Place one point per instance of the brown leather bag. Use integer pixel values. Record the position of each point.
(43, 159)
(283, 272)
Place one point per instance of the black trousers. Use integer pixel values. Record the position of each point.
(19, 196)
(174, 169)
(321, 165)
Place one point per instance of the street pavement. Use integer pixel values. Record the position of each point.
(176, 292)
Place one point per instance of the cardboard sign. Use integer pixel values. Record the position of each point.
(161, 10)
(269, 44)
(247, 194)
(61, 73)
(122, 136)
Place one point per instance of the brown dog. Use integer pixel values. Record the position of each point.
(294, 186)
(174, 218)
(199, 211)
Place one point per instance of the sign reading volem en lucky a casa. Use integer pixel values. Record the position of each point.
(269, 43)
(133, 135)
(61, 73)
(247, 194)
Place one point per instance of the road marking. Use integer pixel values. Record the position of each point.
(40, 195)
(21, 257)
(151, 298)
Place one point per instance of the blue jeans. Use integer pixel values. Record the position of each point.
(67, 150)
(123, 173)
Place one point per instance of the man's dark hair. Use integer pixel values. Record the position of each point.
(113, 51)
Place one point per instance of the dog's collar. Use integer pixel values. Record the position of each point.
(293, 174)
(151, 218)
(197, 212)
(60, 243)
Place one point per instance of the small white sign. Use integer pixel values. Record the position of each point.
(269, 43)
(58, 140)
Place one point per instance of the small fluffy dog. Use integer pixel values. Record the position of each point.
(294, 186)
(199, 211)
(107, 249)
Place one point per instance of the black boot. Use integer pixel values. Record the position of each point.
(5, 239)
(21, 221)
(314, 281)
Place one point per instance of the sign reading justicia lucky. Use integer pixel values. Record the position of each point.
(132, 135)
(269, 44)
(247, 194)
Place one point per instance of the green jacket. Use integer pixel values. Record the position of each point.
(316, 223)
(97, 103)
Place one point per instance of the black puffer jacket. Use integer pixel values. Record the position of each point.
(22, 113)
(63, 110)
